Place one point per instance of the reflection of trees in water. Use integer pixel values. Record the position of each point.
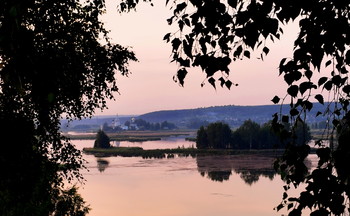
(249, 167)
(102, 164)
(218, 175)
(251, 177)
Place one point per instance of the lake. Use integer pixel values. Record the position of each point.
(180, 186)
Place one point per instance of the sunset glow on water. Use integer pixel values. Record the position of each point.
(157, 187)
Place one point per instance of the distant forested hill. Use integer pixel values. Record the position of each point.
(194, 118)
(231, 114)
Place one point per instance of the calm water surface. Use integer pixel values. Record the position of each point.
(203, 186)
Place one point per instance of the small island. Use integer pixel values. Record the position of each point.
(214, 139)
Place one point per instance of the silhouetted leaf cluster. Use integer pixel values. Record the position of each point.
(55, 60)
(213, 33)
(221, 32)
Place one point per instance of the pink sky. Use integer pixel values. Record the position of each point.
(150, 87)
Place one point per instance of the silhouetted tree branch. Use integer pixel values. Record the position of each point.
(56, 60)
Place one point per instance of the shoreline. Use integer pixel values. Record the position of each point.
(135, 136)
(169, 153)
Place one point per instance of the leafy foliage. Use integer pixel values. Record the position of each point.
(55, 60)
(71, 203)
(220, 32)
(128, 5)
(212, 34)
(327, 185)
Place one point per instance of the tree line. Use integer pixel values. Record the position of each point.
(250, 135)
(145, 125)
(140, 124)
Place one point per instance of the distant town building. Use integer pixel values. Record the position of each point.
(116, 122)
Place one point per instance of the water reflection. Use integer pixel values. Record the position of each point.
(175, 186)
(219, 176)
(248, 167)
(102, 164)
(220, 167)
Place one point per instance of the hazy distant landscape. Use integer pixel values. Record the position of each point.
(194, 118)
